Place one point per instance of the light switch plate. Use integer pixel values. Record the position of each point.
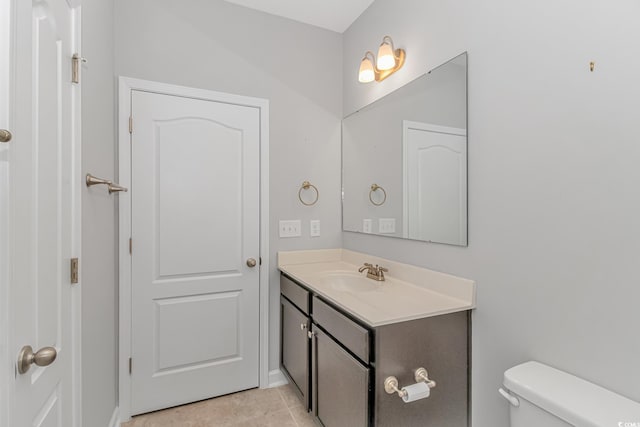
(386, 225)
(314, 228)
(367, 226)
(290, 228)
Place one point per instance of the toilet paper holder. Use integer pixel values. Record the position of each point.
(421, 375)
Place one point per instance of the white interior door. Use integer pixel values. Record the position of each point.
(435, 183)
(43, 188)
(195, 168)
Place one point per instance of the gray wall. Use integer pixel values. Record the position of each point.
(98, 262)
(215, 45)
(553, 230)
(554, 235)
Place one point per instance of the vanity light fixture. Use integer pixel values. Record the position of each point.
(389, 61)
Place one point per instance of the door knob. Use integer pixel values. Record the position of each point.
(43, 357)
(5, 135)
(251, 262)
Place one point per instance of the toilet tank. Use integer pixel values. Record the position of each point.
(544, 396)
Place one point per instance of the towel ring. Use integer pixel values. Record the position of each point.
(376, 187)
(305, 186)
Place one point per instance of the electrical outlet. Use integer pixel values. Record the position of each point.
(367, 226)
(290, 228)
(386, 225)
(314, 228)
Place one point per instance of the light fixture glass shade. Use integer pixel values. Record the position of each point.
(386, 59)
(366, 73)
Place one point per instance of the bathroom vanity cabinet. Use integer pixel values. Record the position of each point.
(338, 364)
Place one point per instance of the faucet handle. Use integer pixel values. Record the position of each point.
(381, 271)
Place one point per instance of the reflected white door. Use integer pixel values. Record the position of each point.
(43, 204)
(195, 224)
(435, 183)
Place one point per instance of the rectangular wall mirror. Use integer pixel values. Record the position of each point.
(404, 160)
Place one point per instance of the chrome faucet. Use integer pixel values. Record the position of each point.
(375, 273)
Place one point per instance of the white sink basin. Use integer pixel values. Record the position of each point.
(348, 282)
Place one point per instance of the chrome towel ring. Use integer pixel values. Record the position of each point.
(376, 187)
(305, 186)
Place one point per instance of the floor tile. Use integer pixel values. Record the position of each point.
(256, 407)
(281, 418)
(302, 417)
(289, 395)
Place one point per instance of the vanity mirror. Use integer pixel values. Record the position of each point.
(404, 160)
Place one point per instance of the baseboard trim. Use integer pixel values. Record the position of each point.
(115, 418)
(277, 378)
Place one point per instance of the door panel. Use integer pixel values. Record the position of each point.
(192, 171)
(50, 413)
(42, 209)
(195, 222)
(205, 316)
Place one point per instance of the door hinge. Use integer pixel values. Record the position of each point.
(130, 245)
(130, 124)
(74, 270)
(130, 365)
(76, 59)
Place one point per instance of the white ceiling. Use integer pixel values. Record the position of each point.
(335, 15)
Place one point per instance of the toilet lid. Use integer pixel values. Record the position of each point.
(570, 398)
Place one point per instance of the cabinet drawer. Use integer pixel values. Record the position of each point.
(343, 329)
(295, 293)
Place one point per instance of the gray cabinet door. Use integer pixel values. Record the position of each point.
(295, 348)
(340, 384)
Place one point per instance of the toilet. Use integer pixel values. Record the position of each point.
(542, 396)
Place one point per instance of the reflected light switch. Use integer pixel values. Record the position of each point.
(386, 225)
(314, 228)
(366, 226)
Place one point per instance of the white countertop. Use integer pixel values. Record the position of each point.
(408, 293)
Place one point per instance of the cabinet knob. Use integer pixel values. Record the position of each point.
(311, 334)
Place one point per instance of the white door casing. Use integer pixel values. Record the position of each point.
(435, 183)
(40, 212)
(193, 313)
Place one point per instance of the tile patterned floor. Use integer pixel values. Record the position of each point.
(273, 407)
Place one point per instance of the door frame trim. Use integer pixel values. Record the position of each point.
(125, 86)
